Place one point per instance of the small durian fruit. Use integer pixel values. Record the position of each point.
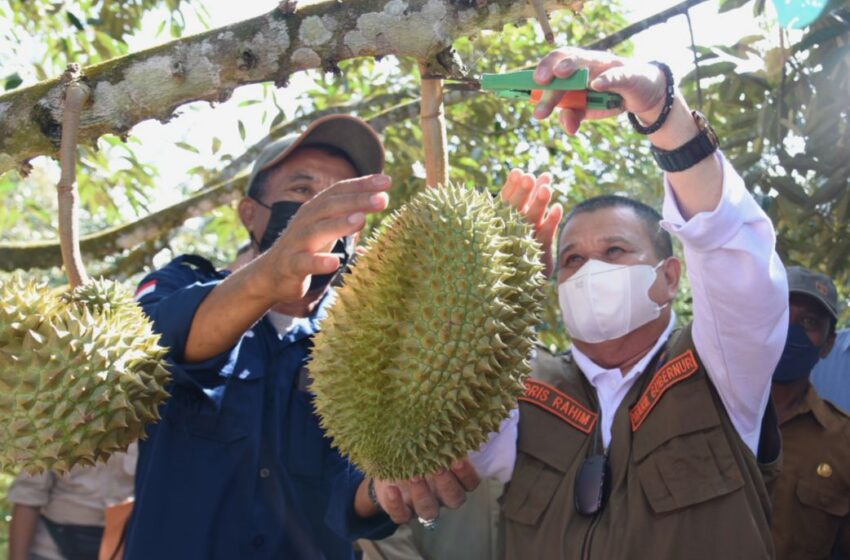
(426, 347)
(81, 374)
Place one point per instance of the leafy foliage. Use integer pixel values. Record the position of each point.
(5, 513)
(487, 136)
(781, 105)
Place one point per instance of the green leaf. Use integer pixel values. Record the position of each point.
(241, 130)
(107, 42)
(75, 21)
(216, 145)
(13, 81)
(249, 102)
(788, 188)
(727, 5)
(187, 147)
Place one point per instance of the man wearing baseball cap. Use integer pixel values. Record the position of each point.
(811, 513)
(238, 467)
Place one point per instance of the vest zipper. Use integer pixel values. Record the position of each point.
(585, 545)
(588, 536)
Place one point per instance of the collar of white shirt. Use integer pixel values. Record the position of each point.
(592, 371)
(611, 385)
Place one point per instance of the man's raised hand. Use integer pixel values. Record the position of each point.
(303, 248)
(531, 196)
(642, 85)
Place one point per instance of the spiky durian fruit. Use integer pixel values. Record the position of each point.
(81, 374)
(425, 350)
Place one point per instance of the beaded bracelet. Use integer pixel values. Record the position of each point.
(668, 104)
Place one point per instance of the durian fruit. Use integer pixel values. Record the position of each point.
(81, 374)
(426, 347)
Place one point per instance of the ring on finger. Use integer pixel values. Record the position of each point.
(428, 524)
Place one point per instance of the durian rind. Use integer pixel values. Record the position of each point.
(81, 374)
(426, 347)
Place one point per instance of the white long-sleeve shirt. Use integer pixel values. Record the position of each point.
(740, 301)
(79, 497)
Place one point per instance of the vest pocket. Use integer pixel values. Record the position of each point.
(824, 506)
(689, 469)
(818, 496)
(531, 489)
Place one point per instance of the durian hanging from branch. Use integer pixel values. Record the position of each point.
(424, 352)
(81, 373)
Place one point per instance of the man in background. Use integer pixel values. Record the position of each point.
(61, 517)
(811, 498)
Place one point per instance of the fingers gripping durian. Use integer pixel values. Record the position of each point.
(81, 374)
(425, 350)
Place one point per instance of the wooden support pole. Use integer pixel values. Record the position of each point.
(433, 121)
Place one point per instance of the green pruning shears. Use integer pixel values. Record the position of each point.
(521, 85)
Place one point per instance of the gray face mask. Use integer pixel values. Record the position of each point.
(282, 213)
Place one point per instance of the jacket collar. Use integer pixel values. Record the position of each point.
(819, 408)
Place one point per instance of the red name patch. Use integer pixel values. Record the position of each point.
(560, 404)
(678, 369)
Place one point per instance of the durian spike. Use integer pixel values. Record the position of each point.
(76, 95)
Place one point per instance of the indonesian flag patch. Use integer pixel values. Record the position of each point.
(145, 289)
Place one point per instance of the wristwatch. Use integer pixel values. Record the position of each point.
(691, 152)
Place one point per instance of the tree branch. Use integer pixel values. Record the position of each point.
(75, 97)
(224, 189)
(151, 84)
(625, 33)
(432, 120)
(361, 106)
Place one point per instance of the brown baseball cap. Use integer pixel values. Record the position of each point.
(814, 284)
(353, 136)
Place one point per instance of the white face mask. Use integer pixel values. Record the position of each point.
(603, 301)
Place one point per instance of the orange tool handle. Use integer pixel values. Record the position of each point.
(573, 99)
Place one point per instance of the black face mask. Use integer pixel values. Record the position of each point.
(282, 213)
(799, 357)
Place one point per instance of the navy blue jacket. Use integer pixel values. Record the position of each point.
(238, 467)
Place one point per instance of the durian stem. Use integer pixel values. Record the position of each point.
(433, 121)
(76, 95)
(543, 18)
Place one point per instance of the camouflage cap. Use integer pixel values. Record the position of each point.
(351, 135)
(814, 284)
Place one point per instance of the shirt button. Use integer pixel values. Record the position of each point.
(264, 472)
(824, 470)
(257, 541)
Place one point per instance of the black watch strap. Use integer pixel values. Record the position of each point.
(691, 152)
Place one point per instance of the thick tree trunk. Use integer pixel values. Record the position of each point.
(153, 83)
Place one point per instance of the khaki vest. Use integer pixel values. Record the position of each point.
(683, 483)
